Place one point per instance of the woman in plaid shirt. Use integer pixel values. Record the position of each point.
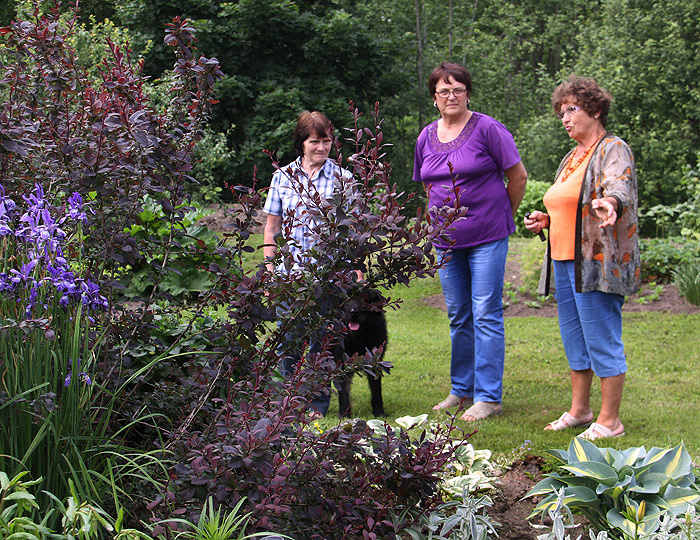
(293, 187)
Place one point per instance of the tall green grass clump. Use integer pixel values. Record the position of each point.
(687, 280)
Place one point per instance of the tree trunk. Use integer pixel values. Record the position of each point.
(419, 37)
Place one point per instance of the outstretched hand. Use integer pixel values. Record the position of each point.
(605, 211)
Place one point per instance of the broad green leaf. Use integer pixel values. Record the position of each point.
(645, 528)
(680, 499)
(674, 462)
(574, 497)
(582, 450)
(650, 483)
(630, 456)
(22, 536)
(601, 472)
(562, 456)
(613, 492)
(545, 486)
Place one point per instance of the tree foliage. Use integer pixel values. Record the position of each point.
(282, 56)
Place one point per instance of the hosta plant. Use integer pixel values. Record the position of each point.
(627, 493)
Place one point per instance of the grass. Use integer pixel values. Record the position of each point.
(661, 391)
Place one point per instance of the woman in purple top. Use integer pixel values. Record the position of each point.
(480, 151)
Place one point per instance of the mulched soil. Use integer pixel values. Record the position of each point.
(509, 509)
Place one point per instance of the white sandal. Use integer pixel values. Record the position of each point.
(452, 401)
(566, 421)
(599, 431)
(482, 410)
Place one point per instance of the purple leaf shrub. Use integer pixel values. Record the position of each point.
(102, 140)
(248, 435)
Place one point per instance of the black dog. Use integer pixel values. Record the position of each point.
(366, 331)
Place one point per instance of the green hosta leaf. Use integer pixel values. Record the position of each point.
(581, 450)
(649, 524)
(574, 497)
(630, 457)
(545, 486)
(650, 483)
(601, 472)
(674, 462)
(613, 492)
(680, 499)
(560, 455)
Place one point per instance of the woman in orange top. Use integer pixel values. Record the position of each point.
(593, 244)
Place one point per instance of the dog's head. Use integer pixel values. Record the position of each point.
(363, 308)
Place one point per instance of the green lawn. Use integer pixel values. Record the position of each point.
(662, 390)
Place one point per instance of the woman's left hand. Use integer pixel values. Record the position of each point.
(605, 210)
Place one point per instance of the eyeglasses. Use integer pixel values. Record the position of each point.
(571, 109)
(457, 92)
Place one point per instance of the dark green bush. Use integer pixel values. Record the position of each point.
(532, 200)
(661, 256)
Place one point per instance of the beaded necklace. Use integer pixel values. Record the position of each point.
(569, 169)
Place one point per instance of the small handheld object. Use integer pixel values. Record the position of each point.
(543, 238)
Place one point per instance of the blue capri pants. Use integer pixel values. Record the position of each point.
(590, 324)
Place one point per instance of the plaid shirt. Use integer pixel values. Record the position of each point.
(288, 197)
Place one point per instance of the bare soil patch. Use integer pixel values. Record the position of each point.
(509, 509)
(527, 304)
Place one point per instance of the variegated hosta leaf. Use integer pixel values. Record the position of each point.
(545, 486)
(407, 422)
(378, 426)
(650, 483)
(674, 462)
(583, 450)
(562, 456)
(456, 485)
(648, 525)
(574, 497)
(613, 492)
(680, 499)
(599, 471)
(630, 456)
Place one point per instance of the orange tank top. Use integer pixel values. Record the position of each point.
(561, 201)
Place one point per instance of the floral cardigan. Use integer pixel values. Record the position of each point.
(608, 259)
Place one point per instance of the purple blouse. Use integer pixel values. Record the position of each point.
(479, 156)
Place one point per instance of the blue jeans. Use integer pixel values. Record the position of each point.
(472, 282)
(291, 351)
(590, 324)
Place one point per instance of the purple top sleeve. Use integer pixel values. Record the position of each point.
(479, 157)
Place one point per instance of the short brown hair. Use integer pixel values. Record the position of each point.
(308, 124)
(443, 72)
(587, 93)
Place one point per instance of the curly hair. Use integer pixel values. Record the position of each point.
(586, 93)
(443, 72)
(308, 124)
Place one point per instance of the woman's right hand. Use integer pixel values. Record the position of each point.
(536, 221)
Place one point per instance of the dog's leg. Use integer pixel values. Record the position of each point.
(375, 388)
(342, 384)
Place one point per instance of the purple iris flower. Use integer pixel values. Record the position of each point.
(84, 377)
(75, 208)
(24, 274)
(40, 233)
